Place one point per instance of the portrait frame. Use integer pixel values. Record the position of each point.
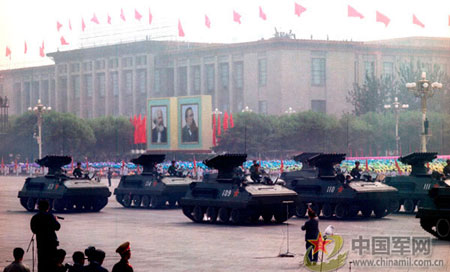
(154, 109)
(189, 136)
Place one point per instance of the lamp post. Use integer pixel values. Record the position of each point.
(246, 110)
(289, 111)
(423, 89)
(39, 109)
(397, 106)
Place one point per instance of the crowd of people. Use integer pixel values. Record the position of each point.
(50, 258)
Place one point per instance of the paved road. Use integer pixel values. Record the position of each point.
(165, 240)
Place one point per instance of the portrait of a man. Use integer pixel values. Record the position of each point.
(189, 130)
(159, 128)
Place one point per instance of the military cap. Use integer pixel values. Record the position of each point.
(123, 248)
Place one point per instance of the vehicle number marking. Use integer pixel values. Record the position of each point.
(51, 186)
(226, 193)
(331, 189)
(148, 183)
(427, 186)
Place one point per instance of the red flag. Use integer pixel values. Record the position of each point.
(15, 165)
(150, 17)
(398, 167)
(83, 25)
(262, 15)
(231, 121)
(95, 19)
(281, 166)
(207, 21)
(225, 121)
(58, 25)
(382, 18)
(71, 165)
(3, 164)
(144, 130)
(137, 15)
(354, 13)
(109, 19)
(63, 41)
(195, 166)
(26, 165)
(214, 130)
(70, 25)
(367, 165)
(123, 165)
(87, 164)
(298, 10)
(236, 17)
(25, 49)
(122, 15)
(180, 29)
(135, 124)
(8, 52)
(417, 22)
(219, 127)
(41, 50)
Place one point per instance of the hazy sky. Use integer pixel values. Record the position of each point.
(34, 21)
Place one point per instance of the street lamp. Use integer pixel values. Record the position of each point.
(397, 106)
(39, 109)
(246, 110)
(423, 89)
(289, 111)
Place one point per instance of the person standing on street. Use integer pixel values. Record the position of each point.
(109, 174)
(44, 225)
(125, 254)
(355, 173)
(312, 232)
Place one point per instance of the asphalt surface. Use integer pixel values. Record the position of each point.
(166, 240)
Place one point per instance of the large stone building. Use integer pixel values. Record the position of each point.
(268, 76)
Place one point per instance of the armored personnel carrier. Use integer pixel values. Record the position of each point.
(434, 214)
(329, 194)
(230, 196)
(150, 189)
(64, 193)
(413, 189)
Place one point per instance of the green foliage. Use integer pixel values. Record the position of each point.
(371, 133)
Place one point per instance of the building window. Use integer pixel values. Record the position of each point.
(262, 72)
(127, 62)
(238, 74)
(182, 80)
(157, 82)
(318, 72)
(369, 68)
(210, 77)
(76, 86)
(101, 84)
(87, 66)
(319, 106)
(128, 82)
(141, 60)
(75, 68)
(195, 79)
(115, 83)
(142, 81)
(99, 64)
(113, 63)
(224, 75)
(262, 107)
(62, 68)
(88, 85)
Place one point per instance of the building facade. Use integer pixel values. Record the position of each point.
(268, 76)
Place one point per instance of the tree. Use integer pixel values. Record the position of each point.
(372, 95)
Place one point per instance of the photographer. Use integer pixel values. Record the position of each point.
(44, 225)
